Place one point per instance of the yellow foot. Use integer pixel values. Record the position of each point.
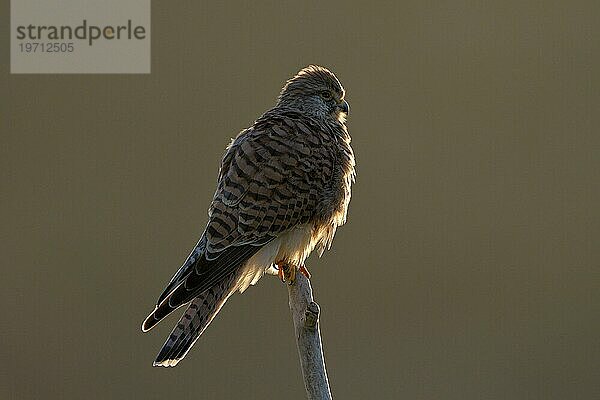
(304, 271)
(287, 273)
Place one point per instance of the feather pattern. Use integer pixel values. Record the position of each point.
(283, 189)
(194, 321)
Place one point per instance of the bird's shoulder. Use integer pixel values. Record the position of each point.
(283, 139)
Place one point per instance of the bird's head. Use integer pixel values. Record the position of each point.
(315, 90)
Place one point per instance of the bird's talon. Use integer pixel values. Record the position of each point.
(292, 275)
(304, 271)
(287, 273)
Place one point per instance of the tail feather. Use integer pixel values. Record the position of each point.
(194, 279)
(194, 321)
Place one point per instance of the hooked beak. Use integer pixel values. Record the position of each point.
(344, 107)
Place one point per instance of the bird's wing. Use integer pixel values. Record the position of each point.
(270, 180)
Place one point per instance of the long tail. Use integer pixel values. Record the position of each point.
(194, 321)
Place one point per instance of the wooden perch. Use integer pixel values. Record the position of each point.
(305, 313)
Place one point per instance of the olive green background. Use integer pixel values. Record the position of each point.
(469, 265)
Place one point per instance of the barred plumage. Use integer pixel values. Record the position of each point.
(283, 188)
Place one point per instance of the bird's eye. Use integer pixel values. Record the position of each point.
(326, 95)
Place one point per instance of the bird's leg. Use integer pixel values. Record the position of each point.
(304, 271)
(280, 273)
(286, 272)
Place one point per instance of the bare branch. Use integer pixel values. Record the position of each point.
(305, 313)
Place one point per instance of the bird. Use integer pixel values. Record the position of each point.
(283, 188)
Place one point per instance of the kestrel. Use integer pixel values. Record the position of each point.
(283, 189)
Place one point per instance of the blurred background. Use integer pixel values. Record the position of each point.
(469, 265)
